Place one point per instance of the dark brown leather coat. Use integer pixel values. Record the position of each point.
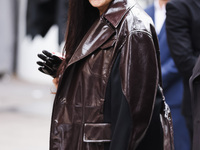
(78, 118)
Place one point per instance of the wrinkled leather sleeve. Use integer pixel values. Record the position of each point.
(139, 79)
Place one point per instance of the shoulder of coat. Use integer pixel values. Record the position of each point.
(137, 20)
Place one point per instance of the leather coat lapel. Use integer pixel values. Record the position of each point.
(97, 35)
(102, 29)
(117, 10)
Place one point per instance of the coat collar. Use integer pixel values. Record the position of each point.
(102, 29)
(117, 10)
(98, 34)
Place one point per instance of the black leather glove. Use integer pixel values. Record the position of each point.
(50, 63)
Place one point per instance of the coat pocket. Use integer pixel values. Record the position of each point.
(97, 132)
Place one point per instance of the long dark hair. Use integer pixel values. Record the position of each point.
(81, 15)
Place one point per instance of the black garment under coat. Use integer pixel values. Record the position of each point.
(106, 98)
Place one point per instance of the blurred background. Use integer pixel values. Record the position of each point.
(26, 28)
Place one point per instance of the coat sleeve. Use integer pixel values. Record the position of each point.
(139, 79)
(179, 39)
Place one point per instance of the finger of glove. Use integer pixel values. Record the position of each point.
(46, 71)
(45, 63)
(49, 71)
(50, 60)
(47, 60)
(41, 56)
(52, 57)
(49, 66)
(40, 63)
(41, 69)
(47, 53)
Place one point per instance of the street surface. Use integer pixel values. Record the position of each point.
(25, 114)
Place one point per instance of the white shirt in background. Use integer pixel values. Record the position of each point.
(160, 15)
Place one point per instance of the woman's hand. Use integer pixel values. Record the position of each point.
(55, 82)
(50, 63)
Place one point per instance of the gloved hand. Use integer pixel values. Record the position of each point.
(50, 63)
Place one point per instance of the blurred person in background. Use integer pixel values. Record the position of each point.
(109, 81)
(172, 80)
(41, 15)
(182, 25)
(7, 37)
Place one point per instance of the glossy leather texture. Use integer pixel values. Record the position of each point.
(78, 117)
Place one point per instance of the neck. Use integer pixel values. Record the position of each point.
(103, 9)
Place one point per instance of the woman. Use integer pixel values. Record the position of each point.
(108, 80)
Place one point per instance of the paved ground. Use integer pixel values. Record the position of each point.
(25, 113)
